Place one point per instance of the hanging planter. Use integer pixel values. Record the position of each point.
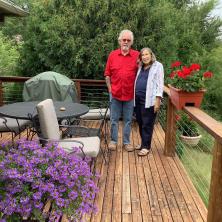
(190, 140)
(181, 98)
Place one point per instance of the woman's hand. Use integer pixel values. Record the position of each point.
(157, 104)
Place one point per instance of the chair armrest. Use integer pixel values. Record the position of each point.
(44, 140)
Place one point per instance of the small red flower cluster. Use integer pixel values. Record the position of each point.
(188, 78)
(186, 71)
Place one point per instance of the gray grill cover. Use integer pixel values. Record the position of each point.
(50, 85)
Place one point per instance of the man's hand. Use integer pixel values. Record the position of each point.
(108, 84)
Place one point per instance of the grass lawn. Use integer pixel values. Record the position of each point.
(198, 166)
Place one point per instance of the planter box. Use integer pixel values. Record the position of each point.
(181, 98)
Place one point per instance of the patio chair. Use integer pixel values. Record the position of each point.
(83, 128)
(89, 146)
(13, 126)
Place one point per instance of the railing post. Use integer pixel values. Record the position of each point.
(215, 199)
(170, 138)
(1, 94)
(78, 88)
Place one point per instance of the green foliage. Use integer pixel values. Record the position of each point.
(75, 37)
(212, 100)
(9, 56)
(187, 126)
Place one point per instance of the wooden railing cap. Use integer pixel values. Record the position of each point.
(211, 125)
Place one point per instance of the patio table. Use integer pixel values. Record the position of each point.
(25, 110)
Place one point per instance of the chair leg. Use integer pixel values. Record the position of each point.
(13, 138)
(30, 133)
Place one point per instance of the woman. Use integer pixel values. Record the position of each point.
(148, 93)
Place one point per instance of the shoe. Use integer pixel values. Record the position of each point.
(138, 147)
(112, 146)
(143, 152)
(128, 147)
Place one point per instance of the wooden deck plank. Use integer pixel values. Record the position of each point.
(173, 180)
(152, 172)
(134, 189)
(126, 200)
(143, 193)
(117, 195)
(99, 198)
(108, 197)
(199, 204)
(135, 199)
(154, 205)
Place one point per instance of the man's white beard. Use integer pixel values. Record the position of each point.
(125, 48)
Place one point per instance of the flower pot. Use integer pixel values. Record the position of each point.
(190, 140)
(181, 98)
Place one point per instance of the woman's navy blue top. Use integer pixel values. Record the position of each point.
(141, 82)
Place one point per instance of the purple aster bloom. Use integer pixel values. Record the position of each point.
(24, 200)
(32, 173)
(73, 195)
(54, 194)
(37, 196)
(38, 205)
(60, 202)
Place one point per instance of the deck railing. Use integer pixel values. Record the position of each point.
(214, 128)
(92, 92)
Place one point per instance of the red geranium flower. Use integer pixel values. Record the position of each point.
(186, 71)
(195, 67)
(181, 74)
(176, 64)
(188, 78)
(207, 74)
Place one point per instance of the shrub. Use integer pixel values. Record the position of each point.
(9, 56)
(186, 125)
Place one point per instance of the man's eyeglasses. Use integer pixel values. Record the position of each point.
(126, 40)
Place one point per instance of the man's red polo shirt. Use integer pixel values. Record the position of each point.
(122, 71)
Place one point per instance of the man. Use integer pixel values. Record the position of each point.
(120, 76)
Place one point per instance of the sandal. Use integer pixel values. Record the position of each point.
(143, 152)
(138, 147)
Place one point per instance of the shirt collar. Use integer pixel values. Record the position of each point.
(130, 52)
(145, 70)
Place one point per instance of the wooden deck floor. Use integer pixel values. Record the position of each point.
(139, 189)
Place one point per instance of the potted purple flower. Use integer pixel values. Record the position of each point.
(31, 175)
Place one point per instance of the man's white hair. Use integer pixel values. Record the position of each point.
(126, 31)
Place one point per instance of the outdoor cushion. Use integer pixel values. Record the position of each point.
(95, 114)
(12, 125)
(48, 120)
(91, 145)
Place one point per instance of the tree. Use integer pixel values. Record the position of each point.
(9, 56)
(74, 37)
